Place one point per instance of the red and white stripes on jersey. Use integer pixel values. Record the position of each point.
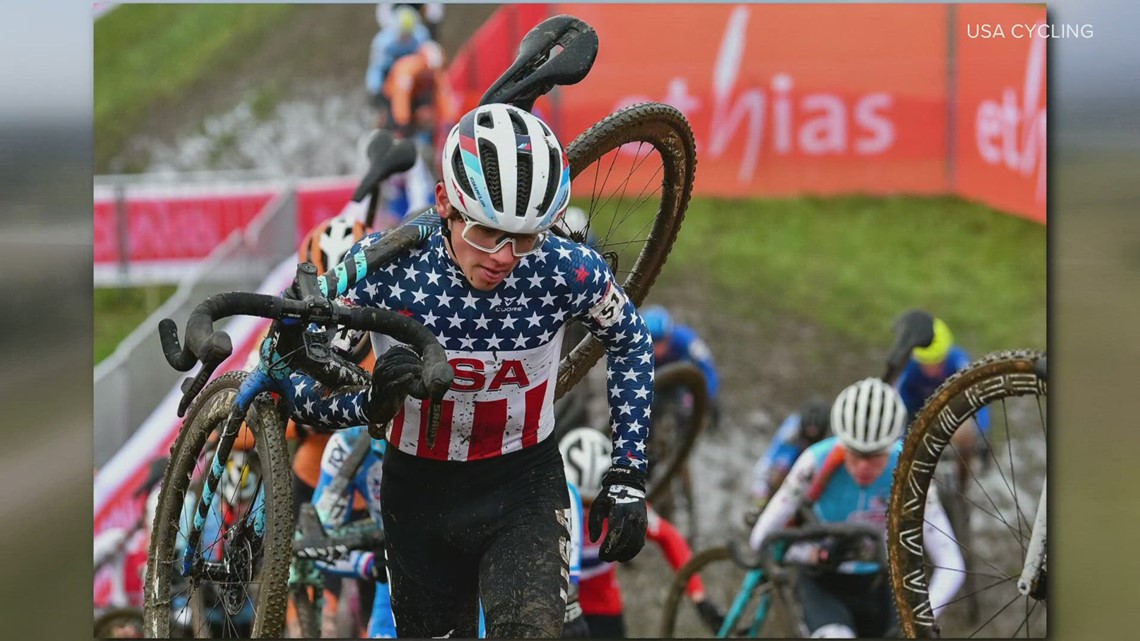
(500, 402)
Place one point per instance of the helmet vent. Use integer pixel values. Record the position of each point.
(517, 121)
(460, 173)
(490, 161)
(552, 182)
(522, 194)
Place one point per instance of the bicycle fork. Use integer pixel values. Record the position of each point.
(1032, 581)
(226, 440)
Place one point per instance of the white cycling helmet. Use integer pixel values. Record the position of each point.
(586, 457)
(503, 168)
(868, 416)
(327, 243)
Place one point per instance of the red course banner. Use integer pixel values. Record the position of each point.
(175, 227)
(1001, 107)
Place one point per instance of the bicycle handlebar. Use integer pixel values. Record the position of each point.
(213, 347)
(844, 531)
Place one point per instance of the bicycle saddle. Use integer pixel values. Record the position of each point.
(557, 51)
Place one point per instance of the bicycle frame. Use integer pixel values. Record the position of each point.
(752, 581)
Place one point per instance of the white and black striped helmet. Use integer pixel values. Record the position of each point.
(868, 416)
(504, 168)
(586, 457)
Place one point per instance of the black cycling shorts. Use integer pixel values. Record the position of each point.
(862, 602)
(494, 530)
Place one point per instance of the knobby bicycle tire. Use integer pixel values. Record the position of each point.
(673, 597)
(994, 377)
(664, 128)
(205, 415)
(689, 376)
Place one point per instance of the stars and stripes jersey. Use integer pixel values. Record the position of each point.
(504, 346)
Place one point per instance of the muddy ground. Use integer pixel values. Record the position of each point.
(769, 361)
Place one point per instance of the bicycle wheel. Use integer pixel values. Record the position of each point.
(635, 217)
(1002, 498)
(242, 592)
(723, 580)
(673, 444)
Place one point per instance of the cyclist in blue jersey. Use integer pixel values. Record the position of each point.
(401, 37)
(799, 430)
(674, 342)
(365, 565)
(846, 478)
(475, 515)
(928, 368)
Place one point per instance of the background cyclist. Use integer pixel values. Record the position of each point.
(847, 479)
(400, 37)
(802, 428)
(586, 455)
(928, 368)
(674, 342)
(476, 515)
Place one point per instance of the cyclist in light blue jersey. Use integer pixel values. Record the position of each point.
(843, 590)
(402, 37)
(799, 430)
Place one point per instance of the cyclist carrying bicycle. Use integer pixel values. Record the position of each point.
(800, 429)
(674, 342)
(586, 455)
(928, 368)
(847, 479)
(476, 515)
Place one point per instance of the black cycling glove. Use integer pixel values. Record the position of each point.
(622, 501)
(395, 374)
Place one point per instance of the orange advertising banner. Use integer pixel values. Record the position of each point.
(814, 99)
(783, 99)
(1000, 142)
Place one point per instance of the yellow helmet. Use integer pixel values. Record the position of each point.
(406, 19)
(939, 347)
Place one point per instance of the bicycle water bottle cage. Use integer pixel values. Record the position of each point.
(558, 51)
(386, 156)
